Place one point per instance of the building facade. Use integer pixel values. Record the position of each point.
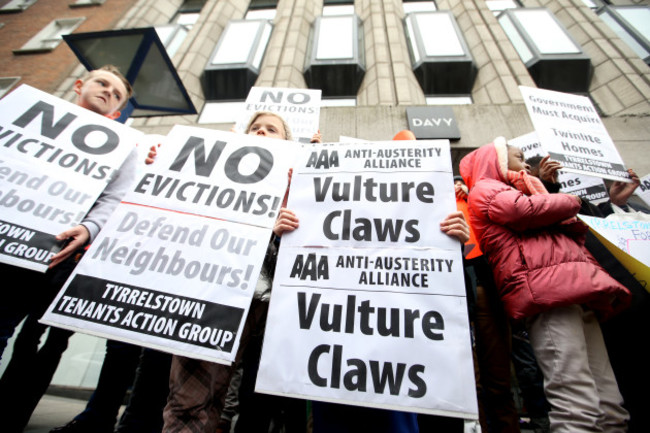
(374, 60)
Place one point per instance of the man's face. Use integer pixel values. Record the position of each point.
(103, 92)
(268, 126)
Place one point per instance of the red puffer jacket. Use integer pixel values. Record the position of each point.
(538, 259)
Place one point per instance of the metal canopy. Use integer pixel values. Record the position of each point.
(139, 54)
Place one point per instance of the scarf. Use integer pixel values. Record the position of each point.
(529, 185)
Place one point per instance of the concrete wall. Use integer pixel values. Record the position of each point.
(620, 86)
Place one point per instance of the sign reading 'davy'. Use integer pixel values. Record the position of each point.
(628, 240)
(55, 160)
(643, 190)
(300, 108)
(176, 266)
(587, 187)
(571, 131)
(433, 122)
(368, 305)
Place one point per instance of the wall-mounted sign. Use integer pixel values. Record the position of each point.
(433, 122)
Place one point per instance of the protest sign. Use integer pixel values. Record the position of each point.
(368, 305)
(643, 191)
(586, 187)
(571, 131)
(628, 240)
(300, 108)
(176, 266)
(56, 159)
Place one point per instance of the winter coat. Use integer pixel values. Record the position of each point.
(533, 244)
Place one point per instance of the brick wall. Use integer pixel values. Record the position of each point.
(46, 71)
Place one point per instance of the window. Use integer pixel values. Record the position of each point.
(243, 40)
(262, 4)
(333, 3)
(334, 10)
(173, 34)
(83, 3)
(497, 6)
(335, 60)
(632, 25)
(6, 83)
(16, 6)
(261, 14)
(555, 61)
(418, 6)
(440, 56)
(262, 9)
(594, 4)
(545, 32)
(51, 36)
(335, 37)
(235, 62)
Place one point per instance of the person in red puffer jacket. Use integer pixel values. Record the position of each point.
(544, 275)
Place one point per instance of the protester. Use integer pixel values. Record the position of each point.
(104, 91)
(626, 355)
(125, 366)
(545, 276)
(530, 381)
(342, 418)
(497, 410)
(230, 410)
(198, 388)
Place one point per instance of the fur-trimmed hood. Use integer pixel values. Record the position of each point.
(486, 162)
(533, 242)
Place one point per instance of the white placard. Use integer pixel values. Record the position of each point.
(176, 266)
(586, 187)
(643, 190)
(368, 304)
(571, 131)
(630, 236)
(56, 159)
(300, 108)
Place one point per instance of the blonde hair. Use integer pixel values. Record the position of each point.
(258, 114)
(115, 71)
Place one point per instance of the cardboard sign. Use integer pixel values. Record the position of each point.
(56, 158)
(368, 305)
(176, 266)
(571, 131)
(643, 191)
(300, 108)
(628, 240)
(586, 187)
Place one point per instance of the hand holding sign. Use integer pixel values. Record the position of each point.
(619, 192)
(455, 225)
(548, 170)
(77, 237)
(287, 222)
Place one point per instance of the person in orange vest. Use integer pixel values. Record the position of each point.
(497, 411)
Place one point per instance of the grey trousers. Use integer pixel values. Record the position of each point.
(578, 379)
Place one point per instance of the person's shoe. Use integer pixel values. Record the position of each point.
(77, 426)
